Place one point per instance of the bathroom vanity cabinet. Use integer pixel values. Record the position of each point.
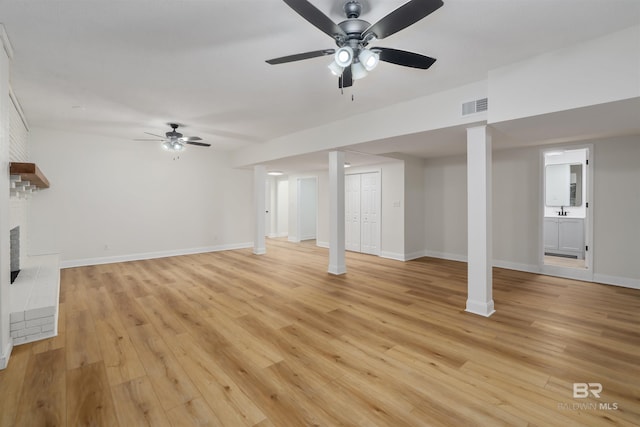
(564, 236)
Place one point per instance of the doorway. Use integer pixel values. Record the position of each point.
(362, 213)
(566, 213)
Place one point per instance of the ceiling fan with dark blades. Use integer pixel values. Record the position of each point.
(174, 140)
(354, 59)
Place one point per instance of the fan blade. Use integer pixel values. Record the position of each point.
(201, 144)
(346, 79)
(407, 14)
(191, 138)
(404, 58)
(317, 18)
(153, 134)
(300, 56)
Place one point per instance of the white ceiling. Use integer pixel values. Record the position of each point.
(122, 67)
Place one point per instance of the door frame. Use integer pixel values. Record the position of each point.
(567, 272)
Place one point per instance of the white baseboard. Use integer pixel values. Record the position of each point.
(516, 266)
(617, 281)
(481, 308)
(4, 358)
(151, 255)
(322, 244)
(278, 235)
(393, 255)
(446, 255)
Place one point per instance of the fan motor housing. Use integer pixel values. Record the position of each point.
(354, 26)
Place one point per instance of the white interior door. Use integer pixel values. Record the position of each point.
(267, 207)
(362, 213)
(369, 213)
(352, 212)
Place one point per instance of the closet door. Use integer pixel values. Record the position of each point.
(352, 212)
(369, 213)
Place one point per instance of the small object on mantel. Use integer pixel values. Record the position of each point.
(29, 172)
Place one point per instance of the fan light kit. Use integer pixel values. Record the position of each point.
(354, 59)
(174, 140)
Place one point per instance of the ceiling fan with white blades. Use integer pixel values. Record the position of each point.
(353, 59)
(174, 140)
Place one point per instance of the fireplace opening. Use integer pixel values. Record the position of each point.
(15, 252)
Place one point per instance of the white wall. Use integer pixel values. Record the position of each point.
(602, 70)
(445, 184)
(616, 213)
(516, 211)
(5, 338)
(415, 208)
(307, 208)
(18, 152)
(113, 199)
(282, 207)
(516, 207)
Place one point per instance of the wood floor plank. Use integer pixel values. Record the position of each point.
(173, 387)
(82, 344)
(89, 401)
(43, 400)
(230, 404)
(137, 405)
(194, 413)
(11, 383)
(118, 354)
(234, 339)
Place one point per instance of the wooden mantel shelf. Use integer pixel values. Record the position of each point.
(29, 172)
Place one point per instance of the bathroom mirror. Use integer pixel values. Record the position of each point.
(563, 185)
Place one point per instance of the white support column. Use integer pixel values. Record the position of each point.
(336, 213)
(259, 178)
(480, 249)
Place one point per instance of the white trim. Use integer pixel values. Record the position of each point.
(4, 359)
(277, 235)
(624, 282)
(480, 308)
(151, 255)
(337, 270)
(446, 255)
(508, 265)
(399, 256)
(392, 255)
(293, 239)
(322, 244)
(4, 38)
(16, 103)
(586, 274)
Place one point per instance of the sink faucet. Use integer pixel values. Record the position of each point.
(562, 212)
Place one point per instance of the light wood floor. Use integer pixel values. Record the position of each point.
(564, 262)
(234, 339)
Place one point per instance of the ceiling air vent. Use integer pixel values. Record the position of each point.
(476, 106)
